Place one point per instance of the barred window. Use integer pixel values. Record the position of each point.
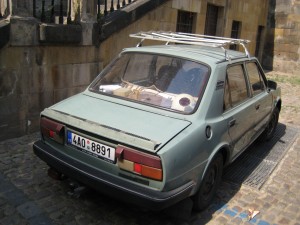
(185, 21)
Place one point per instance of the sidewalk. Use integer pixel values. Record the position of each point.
(278, 202)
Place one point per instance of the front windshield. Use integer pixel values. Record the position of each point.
(162, 81)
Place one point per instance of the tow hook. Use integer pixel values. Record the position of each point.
(76, 189)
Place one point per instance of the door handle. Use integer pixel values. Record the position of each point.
(257, 106)
(231, 123)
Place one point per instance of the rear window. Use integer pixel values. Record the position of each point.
(162, 81)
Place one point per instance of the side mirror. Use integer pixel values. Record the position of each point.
(272, 84)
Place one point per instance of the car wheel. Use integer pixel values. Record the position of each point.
(210, 183)
(271, 127)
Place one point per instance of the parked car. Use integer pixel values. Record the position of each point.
(160, 123)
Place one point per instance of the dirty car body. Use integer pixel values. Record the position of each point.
(160, 122)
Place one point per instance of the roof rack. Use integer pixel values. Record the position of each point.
(192, 39)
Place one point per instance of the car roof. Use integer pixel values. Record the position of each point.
(209, 55)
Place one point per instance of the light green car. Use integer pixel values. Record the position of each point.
(160, 123)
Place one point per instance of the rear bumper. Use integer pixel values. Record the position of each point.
(108, 184)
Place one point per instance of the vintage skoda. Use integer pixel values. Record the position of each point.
(160, 123)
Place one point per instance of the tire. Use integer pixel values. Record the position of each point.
(269, 131)
(209, 184)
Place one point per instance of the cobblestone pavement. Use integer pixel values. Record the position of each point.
(29, 196)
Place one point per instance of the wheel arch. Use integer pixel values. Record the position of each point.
(224, 150)
(278, 104)
(208, 186)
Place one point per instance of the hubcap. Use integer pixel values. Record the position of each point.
(211, 179)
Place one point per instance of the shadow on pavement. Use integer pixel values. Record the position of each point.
(26, 175)
(252, 168)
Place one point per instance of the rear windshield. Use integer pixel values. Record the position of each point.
(161, 81)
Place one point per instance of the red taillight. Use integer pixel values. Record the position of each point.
(52, 129)
(138, 168)
(139, 163)
(51, 134)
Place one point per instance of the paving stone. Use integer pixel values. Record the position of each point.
(13, 220)
(236, 220)
(9, 211)
(284, 221)
(222, 220)
(29, 210)
(40, 220)
(29, 196)
(262, 222)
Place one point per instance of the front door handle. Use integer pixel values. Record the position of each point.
(231, 123)
(257, 106)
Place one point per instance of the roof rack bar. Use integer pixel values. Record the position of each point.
(246, 50)
(192, 39)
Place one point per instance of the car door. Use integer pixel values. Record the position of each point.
(260, 95)
(239, 109)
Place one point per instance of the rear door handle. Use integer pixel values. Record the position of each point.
(257, 106)
(231, 123)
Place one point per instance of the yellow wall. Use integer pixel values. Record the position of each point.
(251, 13)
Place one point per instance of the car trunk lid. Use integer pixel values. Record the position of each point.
(121, 123)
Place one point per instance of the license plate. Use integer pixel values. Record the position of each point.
(91, 147)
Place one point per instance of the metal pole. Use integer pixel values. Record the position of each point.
(8, 8)
(69, 19)
(33, 5)
(43, 17)
(105, 7)
(1, 16)
(61, 15)
(98, 10)
(52, 11)
(112, 6)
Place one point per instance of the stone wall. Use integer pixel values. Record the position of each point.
(287, 36)
(32, 78)
(35, 74)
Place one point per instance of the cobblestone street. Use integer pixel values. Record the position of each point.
(29, 196)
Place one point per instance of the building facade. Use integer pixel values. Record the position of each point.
(42, 62)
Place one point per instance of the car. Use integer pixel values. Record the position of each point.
(160, 123)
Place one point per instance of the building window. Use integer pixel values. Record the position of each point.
(211, 22)
(235, 32)
(185, 21)
(258, 39)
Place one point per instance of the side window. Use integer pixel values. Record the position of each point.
(255, 79)
(235, 87)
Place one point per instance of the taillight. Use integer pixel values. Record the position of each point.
(52, 129)
(139, 163)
